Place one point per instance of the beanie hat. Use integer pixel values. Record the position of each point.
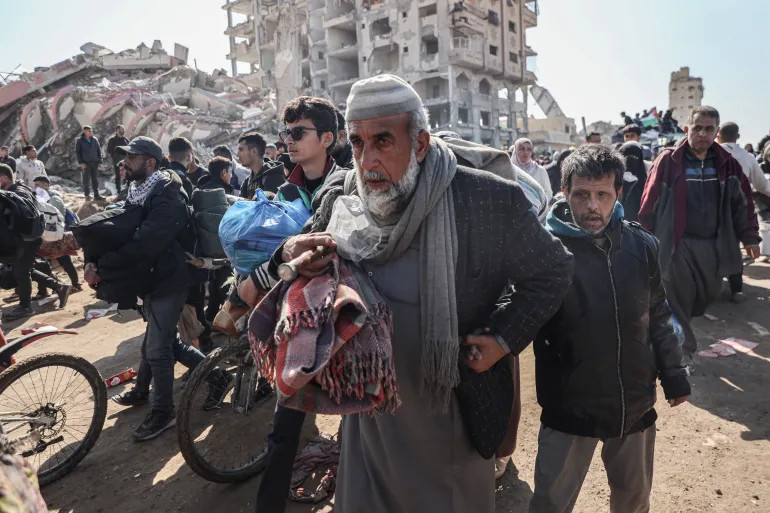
(383, 95)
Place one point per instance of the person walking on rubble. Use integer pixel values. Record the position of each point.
(29, 167)
(697, 202)
(89, 155)
(452, 237)
(117, 139)
(598, 359)
(162, 238)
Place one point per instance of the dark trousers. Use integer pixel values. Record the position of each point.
(217, 295)
(196, 297)
(282, 444)
(90, 178)
(42, 274)
(23, 272)
(736, 282)
(66, 263)
(117, 178)
(161, 348)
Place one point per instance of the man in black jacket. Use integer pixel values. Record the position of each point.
(157, 252)
(219, 174)
(598, 358)
(118, 139)
(343, 151)
(5, 158)
(267, 176)
(89, 155)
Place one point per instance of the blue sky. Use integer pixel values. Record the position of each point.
(597, 57)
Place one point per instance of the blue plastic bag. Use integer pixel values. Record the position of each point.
(251, 231)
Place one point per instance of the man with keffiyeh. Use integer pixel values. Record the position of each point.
(470, 276)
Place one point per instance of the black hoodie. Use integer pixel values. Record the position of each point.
(269, 178)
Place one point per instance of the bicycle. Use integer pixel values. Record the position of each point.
(220, 442)
(53, 427)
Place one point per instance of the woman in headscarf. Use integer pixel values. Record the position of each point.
(633, 180)
(522, 159)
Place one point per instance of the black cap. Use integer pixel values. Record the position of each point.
(142, 146)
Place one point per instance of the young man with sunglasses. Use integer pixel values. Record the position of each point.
(267, 176)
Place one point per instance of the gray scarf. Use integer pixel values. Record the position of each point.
(431, 212)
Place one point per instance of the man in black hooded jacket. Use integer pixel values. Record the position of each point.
(598, 359)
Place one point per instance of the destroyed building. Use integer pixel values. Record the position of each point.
(685, 92)
(147, 90)
(468, 60)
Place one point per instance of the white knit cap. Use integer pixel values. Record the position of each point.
(383, 95)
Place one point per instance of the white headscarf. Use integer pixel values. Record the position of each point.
(531, 167)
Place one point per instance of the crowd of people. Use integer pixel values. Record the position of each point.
(600, 260)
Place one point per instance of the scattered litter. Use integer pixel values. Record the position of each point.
(37, 327)
(44, 301)
(100, 312)
(728, 347)
(711, 317)
(137, 475)
(759, 329)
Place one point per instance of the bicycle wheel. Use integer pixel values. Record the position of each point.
(66, 390)
(226, 444)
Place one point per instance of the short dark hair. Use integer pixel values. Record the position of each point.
(254, 139)
(5, 170)
(632, 129)
(43, 179)
(219, 164)
(223, 151)
(27, 147)
(319, 111)
(593, 161)
(281, 145)
(340, 120)
(180, 145)
(703, 110)
(588, 137)
(729, 131)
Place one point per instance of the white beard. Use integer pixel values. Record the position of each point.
(386, 204)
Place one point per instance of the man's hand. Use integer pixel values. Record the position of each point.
(678, 400)
(299, 244)
(90, 274)
(482, 352)
(82, 166)
(752, 251)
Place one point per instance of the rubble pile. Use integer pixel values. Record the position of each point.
(147, 90)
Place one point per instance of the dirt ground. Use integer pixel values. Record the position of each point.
(712, 453)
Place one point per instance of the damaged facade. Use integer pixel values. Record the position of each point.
(467, 60)
(147, 90)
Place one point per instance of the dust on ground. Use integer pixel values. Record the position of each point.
(712, 453)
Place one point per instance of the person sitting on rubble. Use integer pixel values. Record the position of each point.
(162, 238)
(219, 175)
(267, 176)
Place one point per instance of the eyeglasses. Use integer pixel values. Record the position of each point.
(296, 133)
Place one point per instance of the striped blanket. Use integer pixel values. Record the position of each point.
(325, 343)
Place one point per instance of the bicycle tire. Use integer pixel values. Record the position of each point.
(98, 389)
(185, 431)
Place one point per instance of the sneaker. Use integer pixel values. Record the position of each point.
(154, 424)
(18, 312)
(738, 297)
(131, 398)
(217, 391)
(501, 465)
(64, 295)
(98, 198)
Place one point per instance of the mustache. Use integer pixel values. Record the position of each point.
(374, 175)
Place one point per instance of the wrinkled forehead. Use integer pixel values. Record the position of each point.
(397, 124)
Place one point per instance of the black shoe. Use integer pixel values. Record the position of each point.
(154, 424)
(131, 398)
(218, 389)
(264, 391)
(98, 198)
(64, 295)
(17, 312)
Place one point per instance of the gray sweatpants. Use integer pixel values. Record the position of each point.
(563, 461)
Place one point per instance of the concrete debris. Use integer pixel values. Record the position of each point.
(146, 89)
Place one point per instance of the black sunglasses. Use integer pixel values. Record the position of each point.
(296, 133)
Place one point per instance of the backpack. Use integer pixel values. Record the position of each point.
(53, 222)
(209, 206)
(22, 214)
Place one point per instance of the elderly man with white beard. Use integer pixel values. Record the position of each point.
(470, 276)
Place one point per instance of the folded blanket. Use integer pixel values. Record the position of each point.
(325, 343)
